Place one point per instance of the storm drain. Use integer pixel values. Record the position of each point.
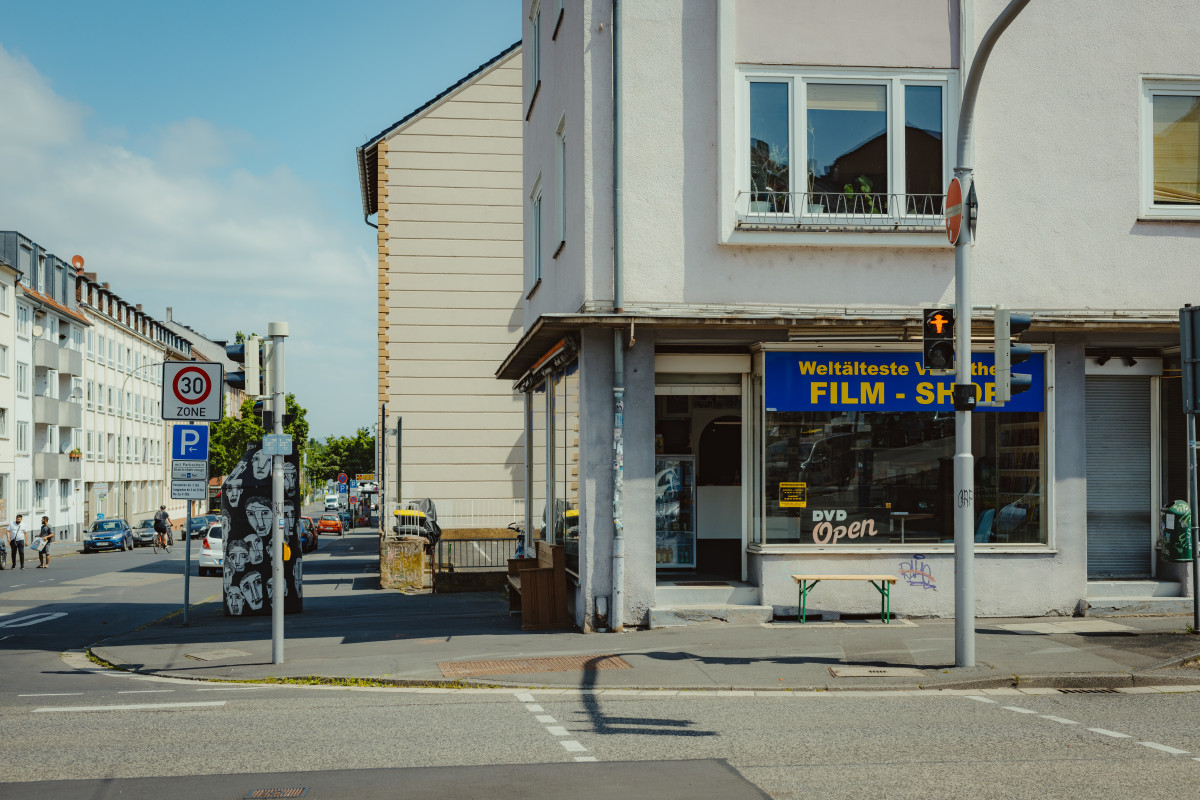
(876, 672)
(513, 666)
(1088, 691)
(265, 794)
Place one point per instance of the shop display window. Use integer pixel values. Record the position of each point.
(872, 478)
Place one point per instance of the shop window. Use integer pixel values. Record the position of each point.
(564, 518)
(836, 474)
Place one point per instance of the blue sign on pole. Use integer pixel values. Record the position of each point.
(341, 488)
(189, 443)
(877, 381)
(353, 484)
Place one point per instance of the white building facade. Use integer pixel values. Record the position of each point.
(126, 444)
(745, 272)
(8, 396)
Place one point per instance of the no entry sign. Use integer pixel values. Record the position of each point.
(954, 210)
(192, 391)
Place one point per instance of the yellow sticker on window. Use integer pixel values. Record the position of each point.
(793, 495)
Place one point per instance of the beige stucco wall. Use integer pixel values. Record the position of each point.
(450, 284)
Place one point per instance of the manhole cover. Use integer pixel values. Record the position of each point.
(513, 666)
(265, 794)
(217, 655)
(1088, 691)
(876, 672)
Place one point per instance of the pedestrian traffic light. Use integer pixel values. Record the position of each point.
(1008, 326)
(937, 338)
(246, 354)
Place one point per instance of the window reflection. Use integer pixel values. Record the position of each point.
(1176, 149)
(871, 478)
(924, 180)
(847, 143)
(770, 180)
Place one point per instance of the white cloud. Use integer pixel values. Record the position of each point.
(182, 225)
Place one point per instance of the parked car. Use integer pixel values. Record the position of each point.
(108, 534)
(344, 518)
(308, 535)
(330, 523)
(212, 550)
(143, 534)
(201, 523)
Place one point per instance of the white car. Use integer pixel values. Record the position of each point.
(212, 550)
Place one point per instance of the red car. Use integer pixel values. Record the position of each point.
(329, 523)
(308, 535)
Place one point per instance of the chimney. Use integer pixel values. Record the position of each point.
(138, 306)
(104, 286)
(170, 313)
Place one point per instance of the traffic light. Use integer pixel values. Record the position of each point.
(246, 354)
(937, 338)
(1007, 327)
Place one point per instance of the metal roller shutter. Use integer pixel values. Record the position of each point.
(1118, 477)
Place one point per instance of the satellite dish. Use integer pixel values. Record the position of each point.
(38, 330)
(77, 261)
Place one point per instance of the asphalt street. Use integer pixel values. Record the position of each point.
(75, 730)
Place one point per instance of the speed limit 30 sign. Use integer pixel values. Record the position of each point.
(192, 391)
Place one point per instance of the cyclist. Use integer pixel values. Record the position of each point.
(162, 527)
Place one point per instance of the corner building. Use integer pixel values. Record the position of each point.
(726, 259)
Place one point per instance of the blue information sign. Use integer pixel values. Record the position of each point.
(189, 443)
(838, 381)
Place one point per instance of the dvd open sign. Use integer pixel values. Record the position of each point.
(192, 391)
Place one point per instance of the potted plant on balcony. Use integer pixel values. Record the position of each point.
(76, 454)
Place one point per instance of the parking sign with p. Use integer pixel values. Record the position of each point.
(189, 443)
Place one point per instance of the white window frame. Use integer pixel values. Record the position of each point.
(23, 386)
(535, 236)
(535, 54)
(22, 497)
(560, 174)
(1185, 85)
(24, 317)
(4, 360)
(4, 299)
(91, 446)
(735, 169)
(3, 423)
(23, 438)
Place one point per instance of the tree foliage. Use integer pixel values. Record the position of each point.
(229, 438)
(353, 455)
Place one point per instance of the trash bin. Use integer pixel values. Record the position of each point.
(1176, 541)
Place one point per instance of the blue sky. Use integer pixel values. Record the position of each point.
(201, 156)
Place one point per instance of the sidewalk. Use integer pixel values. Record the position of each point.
(350, 629)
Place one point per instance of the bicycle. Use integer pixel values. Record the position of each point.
(162, 542)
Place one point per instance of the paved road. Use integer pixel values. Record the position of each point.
(79, 731)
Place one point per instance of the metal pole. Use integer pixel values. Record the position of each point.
(187, 560)
(278, 332)
(964, 461)
(1193, 497)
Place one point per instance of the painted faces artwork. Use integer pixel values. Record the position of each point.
(258, 514)
(255, 545)
(289, 478)
(234, 600)
(260, 465)
(237, 555)
(252, 589)
(233, 491)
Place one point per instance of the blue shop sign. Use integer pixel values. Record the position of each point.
(877, 381)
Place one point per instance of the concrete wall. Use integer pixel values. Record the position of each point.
(451, 236)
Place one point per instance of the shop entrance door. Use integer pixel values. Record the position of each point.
(1119, 522)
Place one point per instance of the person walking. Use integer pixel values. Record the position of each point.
(47, 536)
(16, 541)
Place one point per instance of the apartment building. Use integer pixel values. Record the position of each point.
(8, 340)
(733, 220)
(126, 442)
(445, 181)
(47, 369)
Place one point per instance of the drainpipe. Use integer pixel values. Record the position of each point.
(617, 609)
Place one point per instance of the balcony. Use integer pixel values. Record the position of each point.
(50, 355)
(51, 411)
(56, 466)
(851, 212)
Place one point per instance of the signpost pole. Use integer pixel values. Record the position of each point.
(278, 332)
(964, 389)
(187, 561)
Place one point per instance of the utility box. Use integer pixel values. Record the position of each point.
(402, 562)
(1176, 541)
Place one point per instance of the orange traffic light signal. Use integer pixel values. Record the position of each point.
(937, 338)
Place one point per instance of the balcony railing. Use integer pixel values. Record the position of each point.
(850, 211)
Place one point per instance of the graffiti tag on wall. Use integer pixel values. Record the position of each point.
(917, 572)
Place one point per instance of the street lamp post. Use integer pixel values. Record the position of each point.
(121, 449)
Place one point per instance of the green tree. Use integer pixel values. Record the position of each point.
(229, 438)
(352, 455)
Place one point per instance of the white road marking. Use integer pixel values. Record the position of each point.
(146, 691)
(484, 555)
(134, 707)
(556, 730)
(32, 619)
(1019, 710)
(546, 719)
(1059, 719)
(573, 746)
(535, 708)
(1114, 734)
(979, 699)
(1172, 750)
(52, 694)
(525, 697)
(593, 758)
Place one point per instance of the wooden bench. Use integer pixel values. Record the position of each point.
(883, 583)
(537, 588)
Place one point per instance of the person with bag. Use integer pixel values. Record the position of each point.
(162, 525)
(42, 543)
(16, 541)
